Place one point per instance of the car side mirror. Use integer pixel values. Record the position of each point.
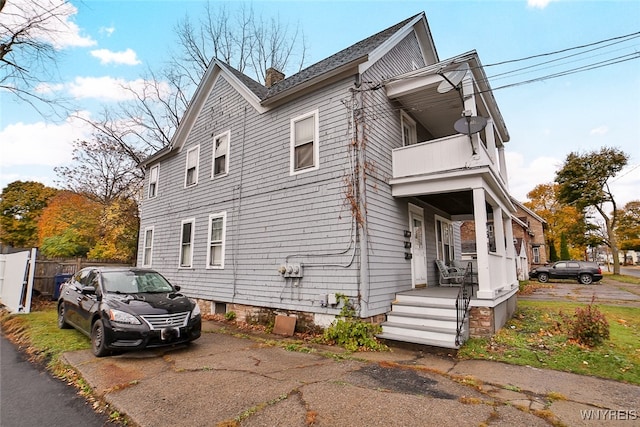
(88, 290)
(177, 288)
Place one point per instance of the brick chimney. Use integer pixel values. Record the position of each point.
(273, 76)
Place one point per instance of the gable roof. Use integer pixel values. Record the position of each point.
(527, 210)
(261, 97)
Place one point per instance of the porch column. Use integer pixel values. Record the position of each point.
(491, 140)
(503, 166)
(482, 244)
(498, 230)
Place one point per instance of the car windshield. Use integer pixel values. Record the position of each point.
(134, 282)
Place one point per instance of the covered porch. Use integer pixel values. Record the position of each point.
(462, 175)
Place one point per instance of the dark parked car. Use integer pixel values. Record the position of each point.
(127, 309)
(584, 272)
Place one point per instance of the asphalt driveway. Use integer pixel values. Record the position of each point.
(606, 291)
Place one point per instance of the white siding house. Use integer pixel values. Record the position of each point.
(345, 178)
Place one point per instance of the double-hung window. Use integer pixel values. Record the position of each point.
(191, 172)
(217, 234)
(153, 181)
(409, 133)
(305, 151)
(186, 243)
(444, 240)
(148, 247)
(536, 254)
(221, 154)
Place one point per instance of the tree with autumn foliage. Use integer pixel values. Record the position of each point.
(561, 220)
(69, 225)
(21, 205)
(628, 226)
(583, 182)
(77, 225)
(119, 224)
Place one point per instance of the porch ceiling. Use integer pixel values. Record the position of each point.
(458, 203)
(437, 112)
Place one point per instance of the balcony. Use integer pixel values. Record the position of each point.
(445, 155)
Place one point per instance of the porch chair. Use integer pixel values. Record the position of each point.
(450, 276)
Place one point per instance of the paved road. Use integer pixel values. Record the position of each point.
(630, 271)
(29, 396)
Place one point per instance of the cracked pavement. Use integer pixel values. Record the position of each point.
(226, 380)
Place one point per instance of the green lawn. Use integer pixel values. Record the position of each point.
(537, 336)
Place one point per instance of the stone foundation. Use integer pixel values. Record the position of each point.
(481, 322)
(305, 322)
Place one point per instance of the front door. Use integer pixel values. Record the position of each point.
(418, 248)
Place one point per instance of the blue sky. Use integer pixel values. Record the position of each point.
(117, 41)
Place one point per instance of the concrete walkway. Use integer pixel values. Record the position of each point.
(225, 379)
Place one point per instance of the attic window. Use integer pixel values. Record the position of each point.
(221, 154)
(304, 143)
(191, 172)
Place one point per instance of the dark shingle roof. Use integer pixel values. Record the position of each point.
(335, 61)
(345, 56)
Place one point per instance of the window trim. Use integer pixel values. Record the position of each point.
(192, 221)
(222, 215)
(405, 119)
(145, 246)
(440, 249)
(197, 168)
(155, 182)
(226, 134)
(316, 143)
(535, 252)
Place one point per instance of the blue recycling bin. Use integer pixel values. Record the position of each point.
(59, 280)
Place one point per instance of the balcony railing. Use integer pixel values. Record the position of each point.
(442, 155)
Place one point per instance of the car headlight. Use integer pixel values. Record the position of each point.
(123, 317)
(196, 309)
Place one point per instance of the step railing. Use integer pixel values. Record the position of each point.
(462, 302)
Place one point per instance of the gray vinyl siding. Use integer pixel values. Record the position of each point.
(270, 214)
(388, 217)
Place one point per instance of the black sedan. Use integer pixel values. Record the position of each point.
(582, 271)
(127, 309)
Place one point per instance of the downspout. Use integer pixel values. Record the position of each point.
(359, 119)
(237, 221)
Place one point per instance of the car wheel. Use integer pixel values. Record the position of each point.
(543, 277)
(62, 322)
(586, 279)
(98, 344)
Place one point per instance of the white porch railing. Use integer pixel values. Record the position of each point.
(441, 155)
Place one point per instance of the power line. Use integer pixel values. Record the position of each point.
(626, 36)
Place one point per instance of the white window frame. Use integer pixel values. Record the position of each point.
(316, 143)
(535, 251)
(181, 261)
(197, 167)
(226, 135)
(153, 183)
(406, 122)
(147, 247)
(440, 243)
(221, 243)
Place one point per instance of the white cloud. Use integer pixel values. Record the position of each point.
(55, 25)
(538, 4)
(40, 143)
(107, 30)
(524, 177)
(126, 57)
(109, 88)
(600, 130)
(48, 88)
